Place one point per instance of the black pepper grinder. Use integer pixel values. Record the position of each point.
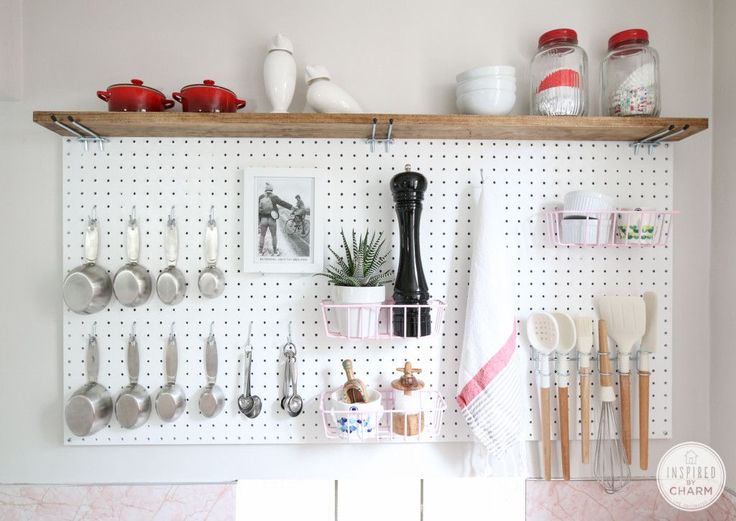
(410, 287)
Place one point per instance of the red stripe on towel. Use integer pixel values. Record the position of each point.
(488, 372)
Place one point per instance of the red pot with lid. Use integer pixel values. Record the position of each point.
(207, 97)
(134, 97)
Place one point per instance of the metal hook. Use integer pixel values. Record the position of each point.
(389, 141)
(172, 218)
(171, 333)
(212, 332)
(132, 330)
(132, 218)
(96, 137)
(482, 177)
(94, 329)
(289, 337)
(372, 140)
(93, 215)
(211, 221)
(250, 334)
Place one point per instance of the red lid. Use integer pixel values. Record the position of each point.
(558, 35)
(628, 36)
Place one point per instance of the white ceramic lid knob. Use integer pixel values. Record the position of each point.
(281, 43)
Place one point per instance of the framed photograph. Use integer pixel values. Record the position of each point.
(284, 218)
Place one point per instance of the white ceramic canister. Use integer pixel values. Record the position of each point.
(325, 96)
(279, 73)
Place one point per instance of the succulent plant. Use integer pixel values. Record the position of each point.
(361, 265)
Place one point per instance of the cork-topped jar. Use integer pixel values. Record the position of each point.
(408, 420)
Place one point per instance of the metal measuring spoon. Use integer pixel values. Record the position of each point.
(249, 405)
(294, 404)
(212, 399)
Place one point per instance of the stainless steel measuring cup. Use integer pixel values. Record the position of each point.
(171, 399)
(133, 405)
(87, 288)
(132, 282)
(90, 407)
(212, 279)
(171, 285)
(211, 399)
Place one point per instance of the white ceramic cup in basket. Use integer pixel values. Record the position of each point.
(591, 231)
(636, 228)
(356, 420)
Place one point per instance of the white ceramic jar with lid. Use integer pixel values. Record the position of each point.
(279, 73)
(630, 76)
(325, 96)
(558, 75)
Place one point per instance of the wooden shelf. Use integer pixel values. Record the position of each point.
(359, 126)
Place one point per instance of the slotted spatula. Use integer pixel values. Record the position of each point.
(627, 322)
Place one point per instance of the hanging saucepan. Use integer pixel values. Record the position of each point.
(171, 285)
(207, 97)
(134, 97)
(132, 282)
(89, 409)
(133, 405)
(87, 288)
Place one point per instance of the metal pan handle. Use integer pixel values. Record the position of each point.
(91, 241)
(211, 241)
(171, 360)
(210, 358)
(92, 360)
(171, 240)
(133, 357)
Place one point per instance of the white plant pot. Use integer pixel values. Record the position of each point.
(359, 322)
(279, 74)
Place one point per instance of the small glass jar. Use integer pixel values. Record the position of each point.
(558, 75)
(630, 76)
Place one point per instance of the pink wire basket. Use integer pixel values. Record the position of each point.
(421, 423)
(610, 229)
(383, 321)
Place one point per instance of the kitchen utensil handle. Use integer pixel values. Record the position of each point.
(210, 359)
(625, 390)
(133, 360)
(172, 359)
(348, 366)
(644, 420)
(133, 239)
(246, 372)
(585, 415)
(604, 363)
(546, 436)
(91, 242)
(171, 242)
(210, 240)
(294, 375)
(563, 398)
(92, 359)
(287, 378)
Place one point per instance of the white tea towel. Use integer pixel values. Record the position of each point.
(489, 382)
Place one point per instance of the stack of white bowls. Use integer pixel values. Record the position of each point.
(486, 91)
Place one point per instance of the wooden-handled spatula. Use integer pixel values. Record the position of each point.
(353, 391)
(648, 345)
(584, 326)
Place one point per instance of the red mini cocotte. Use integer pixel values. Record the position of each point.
(207, 97)
(134, 97)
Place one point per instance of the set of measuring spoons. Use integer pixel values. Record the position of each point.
(291, 402)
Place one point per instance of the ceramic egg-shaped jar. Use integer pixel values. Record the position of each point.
(279, 73)
(325, 96)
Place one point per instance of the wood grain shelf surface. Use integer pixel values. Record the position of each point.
(359, 126)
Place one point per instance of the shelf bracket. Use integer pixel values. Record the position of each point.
(387, 141)
(85, 134)
(655, 139)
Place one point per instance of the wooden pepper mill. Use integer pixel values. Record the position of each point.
(410, 287)
(409, 420)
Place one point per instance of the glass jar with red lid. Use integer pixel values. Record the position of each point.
(558, 75)
(630, 76)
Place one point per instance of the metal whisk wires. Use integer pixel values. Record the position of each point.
(609, 464)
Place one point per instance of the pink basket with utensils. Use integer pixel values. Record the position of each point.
(390, 423)
(377, 321)
(612, 229)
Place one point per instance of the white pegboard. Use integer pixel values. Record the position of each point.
(193, 174)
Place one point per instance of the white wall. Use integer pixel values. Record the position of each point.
(723, 275)
(400, 56)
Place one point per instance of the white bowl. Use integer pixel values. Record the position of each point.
(487, 102)
(357, 420)
(585, 201)
(486, 83)
(490, 70)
